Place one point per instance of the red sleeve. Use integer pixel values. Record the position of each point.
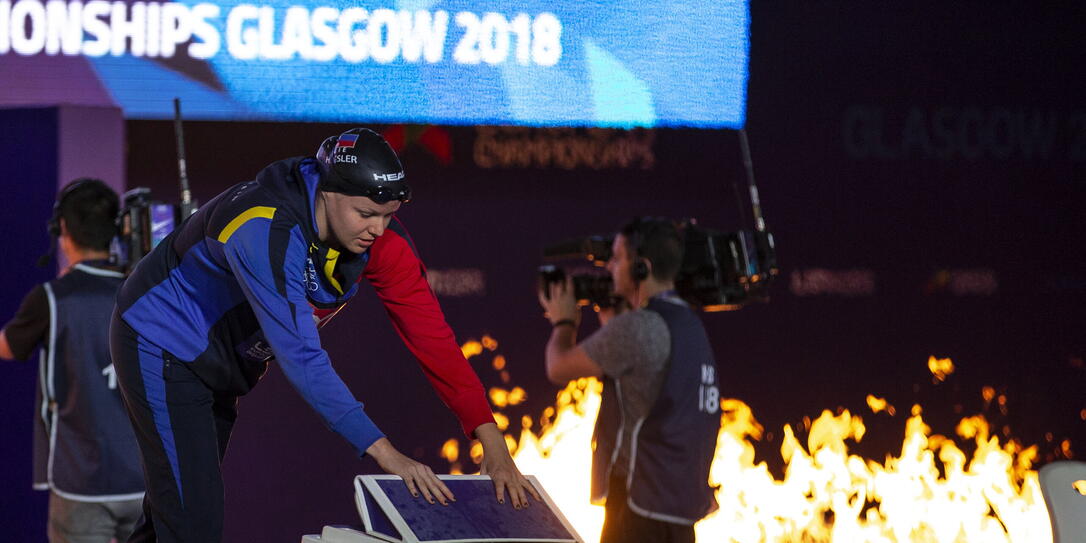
(398, 275)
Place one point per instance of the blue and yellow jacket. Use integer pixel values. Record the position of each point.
(246, 280)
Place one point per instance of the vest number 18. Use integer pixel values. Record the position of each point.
(708, 393)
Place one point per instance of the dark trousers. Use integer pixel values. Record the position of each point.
(621, 525)
(182, 428)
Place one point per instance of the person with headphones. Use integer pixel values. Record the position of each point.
(250, 278)
(85, 452)
(657, 428)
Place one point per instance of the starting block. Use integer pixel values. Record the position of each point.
(1063, 485)
(390, 514)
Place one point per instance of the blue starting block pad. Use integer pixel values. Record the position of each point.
(390, 514)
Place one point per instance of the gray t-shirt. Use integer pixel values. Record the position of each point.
(633, 349)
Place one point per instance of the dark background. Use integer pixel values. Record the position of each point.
(936, 150)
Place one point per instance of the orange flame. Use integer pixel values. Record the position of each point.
(940, 367)
(471, 348)
(880, 404)
(451, 450)
(501, 397)
(931, 492)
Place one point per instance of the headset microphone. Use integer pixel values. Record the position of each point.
(44, 259)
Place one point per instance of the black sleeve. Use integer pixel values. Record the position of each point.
(28, 328)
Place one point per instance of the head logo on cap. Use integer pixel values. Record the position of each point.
(388, 177)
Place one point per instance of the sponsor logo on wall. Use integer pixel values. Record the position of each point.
(963, 133)
(825, 282)
(977, 282)
(564, 148)
(457, 282)
(862, 282)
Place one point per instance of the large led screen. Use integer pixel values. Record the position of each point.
(569, 62)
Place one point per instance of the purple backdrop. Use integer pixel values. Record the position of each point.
(41, 150)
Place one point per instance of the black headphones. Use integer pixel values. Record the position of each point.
(53, 224)
(639, 270)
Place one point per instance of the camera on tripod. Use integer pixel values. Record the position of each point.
(720, 270)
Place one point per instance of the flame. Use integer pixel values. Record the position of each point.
(1080, 486)
(451, 450)
(880, 404)
(560, 454)
(940, 368)
(471, 348)
(517, 395)
(932, 492)
(501, 397)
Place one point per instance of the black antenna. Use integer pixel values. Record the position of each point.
(187, 207)
(739, 204)
(755, 203)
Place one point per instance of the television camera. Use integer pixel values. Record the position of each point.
(144, 222)
(720, 270)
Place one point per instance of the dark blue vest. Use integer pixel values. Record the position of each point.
(85, 449)
(673, 447)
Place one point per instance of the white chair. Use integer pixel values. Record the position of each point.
(1063, 485)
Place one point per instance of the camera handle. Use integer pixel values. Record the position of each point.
(755, 202)
(188, 206)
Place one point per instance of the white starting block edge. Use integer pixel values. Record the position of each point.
(364, 484)
(341, 534)
(1066, 504)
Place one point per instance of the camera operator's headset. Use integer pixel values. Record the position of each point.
(639, 270)
(53, 224)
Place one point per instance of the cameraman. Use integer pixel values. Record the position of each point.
(657, 427)
(85, 453)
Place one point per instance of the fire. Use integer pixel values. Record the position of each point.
(880, 404)
(940, 367)
(931, 492)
